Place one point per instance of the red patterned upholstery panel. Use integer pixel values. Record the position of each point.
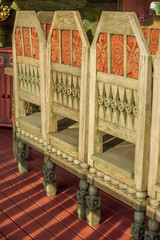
(27, 45)
(18, 41)
(117, 54)
(55, 46)
(66, 47)
(102, 53)
(77, 49)
(132, 57)
(154, 40)
(35, 43)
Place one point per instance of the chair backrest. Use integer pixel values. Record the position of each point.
(120, 88)
(151, 30)
(28, 62)
(68, 58)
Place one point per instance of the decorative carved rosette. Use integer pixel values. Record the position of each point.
(154, 41)
(27, 44)
(66, 47)
(145, 32)
(47, 30)
(132, 57)
(35, 43)
(117, 51)
(77, 49)
(18, 41)
(102, 53)
(55, 46)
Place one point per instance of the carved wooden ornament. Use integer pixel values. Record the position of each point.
(66, 47)
(27, 45)
(47, 30)
(55, 46)
(154, 40)
(117, 51)
(77, 49)
(102, 53)
(18, 41)
(35, 43)
(132, 57)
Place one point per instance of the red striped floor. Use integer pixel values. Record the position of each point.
(27, 213)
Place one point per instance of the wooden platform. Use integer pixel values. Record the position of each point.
(27, 213)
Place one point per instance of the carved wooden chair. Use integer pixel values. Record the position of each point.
(29, 61)
(67, 98)
(119, 115)
(153, 209)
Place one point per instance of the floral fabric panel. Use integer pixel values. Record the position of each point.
(55, 46)
(154, 41)
(66, 47)
(132, 57)
(77, 49)
(117, 54)
(27, 44)
(35, 43)
(18, 41)
(102, 53)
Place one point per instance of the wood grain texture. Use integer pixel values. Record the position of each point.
(120, 158)
(117, 131)
(45, 17)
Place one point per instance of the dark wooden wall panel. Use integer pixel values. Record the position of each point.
(6, 88)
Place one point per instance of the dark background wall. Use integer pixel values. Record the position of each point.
(90, 11)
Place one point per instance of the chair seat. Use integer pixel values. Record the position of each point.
(120, 158)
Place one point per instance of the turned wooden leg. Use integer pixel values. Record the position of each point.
(93, 212)
(81, 198)
(22, 157)
(138, 227)
(152, 232)
(49, 178)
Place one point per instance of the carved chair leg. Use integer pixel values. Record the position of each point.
(93, 212)
(22, 157)
(81, 198)
(152, 232)
(138, 227)
(49, 177)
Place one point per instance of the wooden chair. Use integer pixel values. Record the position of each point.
(67, 98)
(119, 116)
(153, 209)
(29, 61)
